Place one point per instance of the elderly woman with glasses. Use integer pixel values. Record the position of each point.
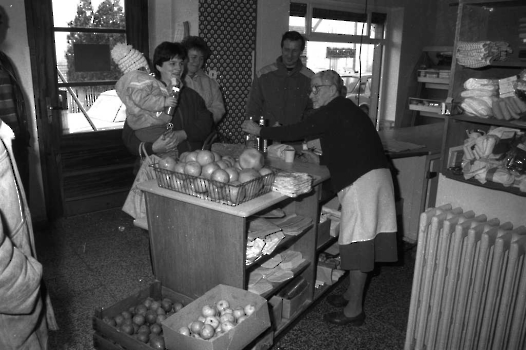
(360, 175)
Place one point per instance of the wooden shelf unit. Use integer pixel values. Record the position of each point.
(197, 244)
(482, 21)
(431, 85)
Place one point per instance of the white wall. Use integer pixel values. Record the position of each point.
(495, 204)
(165, 15)
(16, 47)
(273, 21)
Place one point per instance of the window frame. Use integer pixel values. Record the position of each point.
(379, 43)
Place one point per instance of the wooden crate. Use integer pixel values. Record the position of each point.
(107, 337)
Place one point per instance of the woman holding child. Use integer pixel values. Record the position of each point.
(146, 97)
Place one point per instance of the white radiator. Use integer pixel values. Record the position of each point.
(469, 286)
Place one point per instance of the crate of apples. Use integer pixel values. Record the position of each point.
(208, 175)
(216, 320)
(136, 322)
(224, 317)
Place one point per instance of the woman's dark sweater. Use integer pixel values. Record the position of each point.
(350, 143)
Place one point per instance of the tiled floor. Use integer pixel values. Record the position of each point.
(98, 259)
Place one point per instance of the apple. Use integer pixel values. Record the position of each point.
(160, 319)
(251, 158)
(151, 316)
(205, 157)
(143, 337)
(207, 331)
(227, 325)
(192, 168)
(167, 163)
(212, 321)
(208, 169)
(229, 159)
(265, 171)
(238, 312)
(249, 309)
(235, 192)
(141, 309)
(217, 156)
(201, 318)
(184, 330)
(227, 317)
(226, 311)
(182, 156)
(177, 306)
(156, 328)
(208, 310)
(246, 175)
(191, 157)
(196, 326)
(233, 174)
(119, 320)
(242, 318)
(157, 342)
(253, 187)
(222, 164)
(221, 176)
(179, 167)
(166, 304)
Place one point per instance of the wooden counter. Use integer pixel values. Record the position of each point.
(197, 244)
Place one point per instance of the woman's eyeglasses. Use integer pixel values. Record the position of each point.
(316, 88)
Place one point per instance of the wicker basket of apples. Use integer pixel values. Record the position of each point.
(223, 179)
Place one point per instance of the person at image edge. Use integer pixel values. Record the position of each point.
(354, 155)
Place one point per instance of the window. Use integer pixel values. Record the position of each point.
(85, 32)
(347, 40)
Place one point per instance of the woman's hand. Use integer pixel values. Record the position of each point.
(250, 127)
(166, 142)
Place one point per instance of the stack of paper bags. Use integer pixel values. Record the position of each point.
(293, 224)
(292, 184)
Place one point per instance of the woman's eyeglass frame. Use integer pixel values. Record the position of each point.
(316, 88)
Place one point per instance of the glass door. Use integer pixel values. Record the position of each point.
(85, 166)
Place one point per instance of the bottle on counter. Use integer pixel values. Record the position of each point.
(263, 143)
(175, 94)
(251, 141)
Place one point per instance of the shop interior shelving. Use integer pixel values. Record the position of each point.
(483, 21)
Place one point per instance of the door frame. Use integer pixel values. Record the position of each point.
(48, 109)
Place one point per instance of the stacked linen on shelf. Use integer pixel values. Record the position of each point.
(479, 96)
(481, 53)
(488, 157)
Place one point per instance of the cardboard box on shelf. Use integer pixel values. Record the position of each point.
(327, 273)
(275, 307)
(235, 339)
(293, 305)
(106, 334)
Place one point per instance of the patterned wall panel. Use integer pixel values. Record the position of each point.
(229, 28)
